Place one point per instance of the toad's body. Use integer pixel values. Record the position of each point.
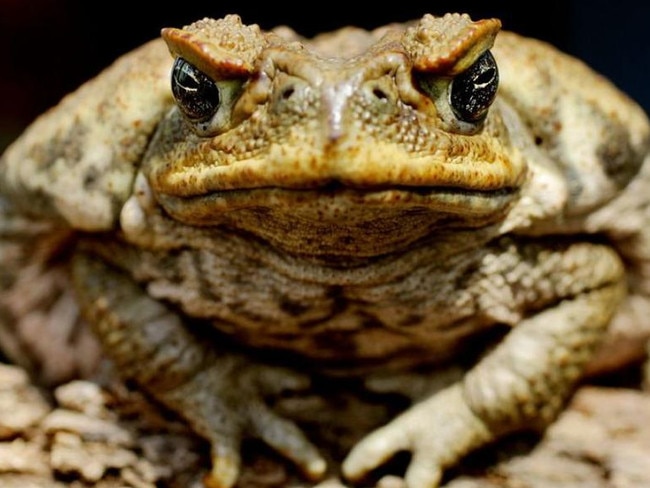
(368, 201)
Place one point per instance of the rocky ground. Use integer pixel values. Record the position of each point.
(85, 435)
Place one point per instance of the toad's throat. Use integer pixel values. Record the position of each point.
(336, 220)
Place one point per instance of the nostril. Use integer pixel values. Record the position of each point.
(287, 92)
(379, 94)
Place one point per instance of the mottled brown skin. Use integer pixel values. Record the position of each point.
(335, 204)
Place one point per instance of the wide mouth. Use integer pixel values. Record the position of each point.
(333, 201)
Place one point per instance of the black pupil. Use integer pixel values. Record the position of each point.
(473, 91)
(197, 95)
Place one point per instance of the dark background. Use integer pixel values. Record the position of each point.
(49, 47)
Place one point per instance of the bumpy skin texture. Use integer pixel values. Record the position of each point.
(355, 204)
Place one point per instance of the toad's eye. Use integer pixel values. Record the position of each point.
(472, 92)
(196, 94)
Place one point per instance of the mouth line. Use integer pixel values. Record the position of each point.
(337, 188)
(368, 194)
(348, 201)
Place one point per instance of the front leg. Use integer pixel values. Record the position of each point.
(220, 395)
(522, 384)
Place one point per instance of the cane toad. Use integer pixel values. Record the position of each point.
(257, 209)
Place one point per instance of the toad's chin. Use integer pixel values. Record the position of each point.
(339, 221)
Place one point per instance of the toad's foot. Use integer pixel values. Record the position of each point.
(224, 403)
(220, 394)
(437, 432)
